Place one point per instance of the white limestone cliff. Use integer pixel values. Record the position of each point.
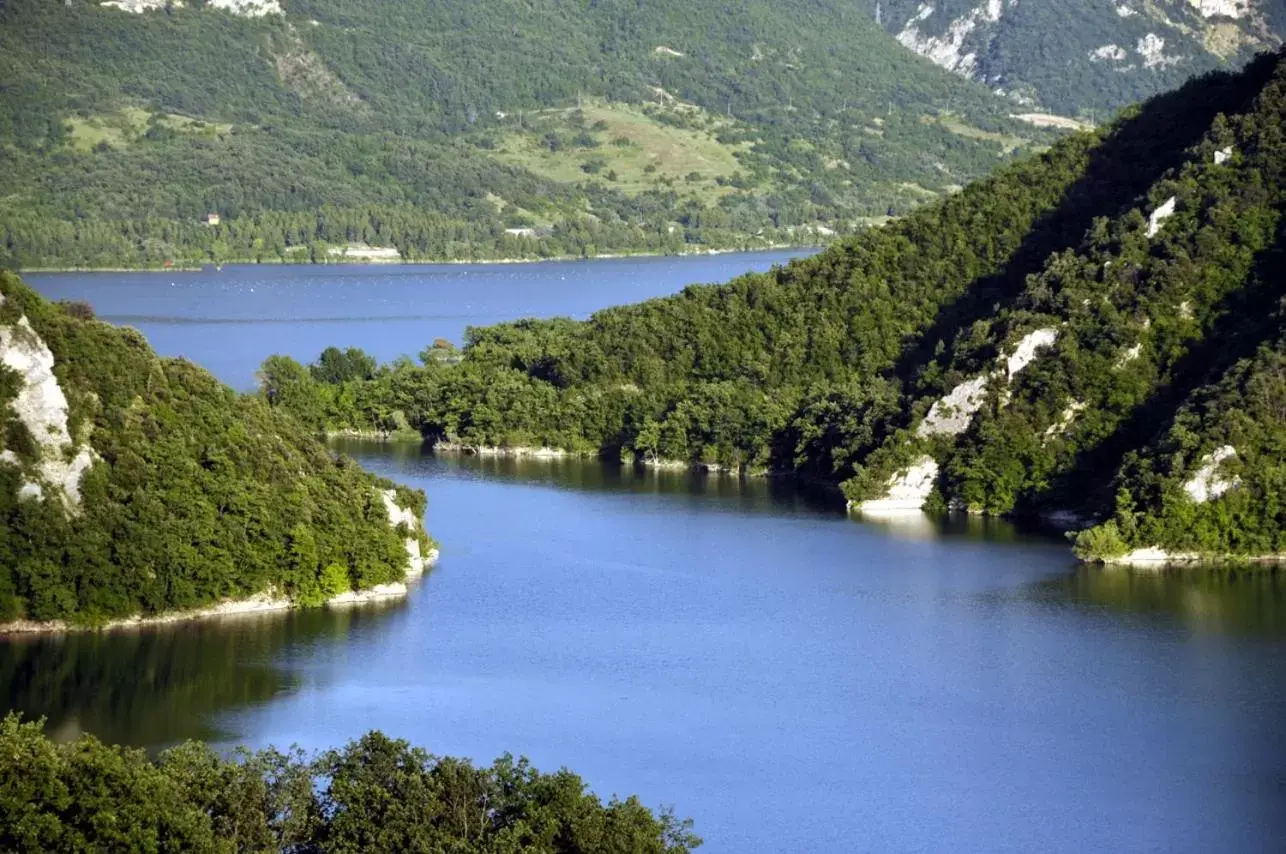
(1108, 53)
(951, 415)
(1207, 484)
(248, 8)
(1221, 8)
(1160, 215)
(41, 407)
(416, 562)
(1151, 49)
(948, 50)
(907, 490)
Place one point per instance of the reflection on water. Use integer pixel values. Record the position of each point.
(708, 489)
(926, 526)
(162, 684)
(1243, 603)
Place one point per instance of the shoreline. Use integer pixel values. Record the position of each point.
(260, 603)
(403, 262)
(1158, 559)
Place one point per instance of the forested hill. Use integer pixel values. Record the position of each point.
(132, 484)
(1092, 336)
(467, 128)
(1083, 57)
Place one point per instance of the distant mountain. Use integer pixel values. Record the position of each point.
(1083, 58)
(467, 128)
(1093, 337)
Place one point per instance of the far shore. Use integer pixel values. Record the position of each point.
(421, 262)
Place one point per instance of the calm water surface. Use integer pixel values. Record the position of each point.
(792, 679)
(229, 320)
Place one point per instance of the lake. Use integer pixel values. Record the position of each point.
(229, 320)
(793, 679)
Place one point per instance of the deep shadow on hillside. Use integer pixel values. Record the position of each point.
(1142, 148)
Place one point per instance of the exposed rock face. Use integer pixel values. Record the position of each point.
(1027, 348)
(990, 41)
(416, 562)
(1151, 49)
(40, 406)
(1221, 8)
(1160, 215)
(1108, 52)
(1207, 483)
(952, 414)
(241, 8)
(1065, 419)
(1129, 355)
(948, 50)
(907, 490)
(248, 8)
(138, 7)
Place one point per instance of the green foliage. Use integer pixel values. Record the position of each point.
(395, 124)
(197, 494)
(826, 367)
(1101, 543)
(376, 794)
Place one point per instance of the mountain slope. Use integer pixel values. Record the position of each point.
(1051, 342)
(131, 484)
(427, 126)
(1086, 57)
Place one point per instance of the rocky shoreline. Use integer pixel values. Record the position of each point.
(261, 603)
(1157, 558)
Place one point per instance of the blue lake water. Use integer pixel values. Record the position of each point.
(793, 679)
(230, 319)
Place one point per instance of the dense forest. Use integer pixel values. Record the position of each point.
(375, 794)
(457, 130)
(1090, 336)
(134, 484)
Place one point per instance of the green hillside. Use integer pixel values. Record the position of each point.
(435, 127)
(1092, 334)
(132, 484)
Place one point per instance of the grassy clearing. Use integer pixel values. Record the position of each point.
(124, 126)
(1007, 142)
(631, 150)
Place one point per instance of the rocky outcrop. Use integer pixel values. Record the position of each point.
(990, 41)
(248, 8)
(416, 561)
(951, 415)
(1160, 215)
(40, 407)
(906, 491)
(240, 8)
(1208, 483)
(138, 7)
(949, 49)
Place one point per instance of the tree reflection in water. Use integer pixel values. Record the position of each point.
(156, 686)
(1241, 602)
